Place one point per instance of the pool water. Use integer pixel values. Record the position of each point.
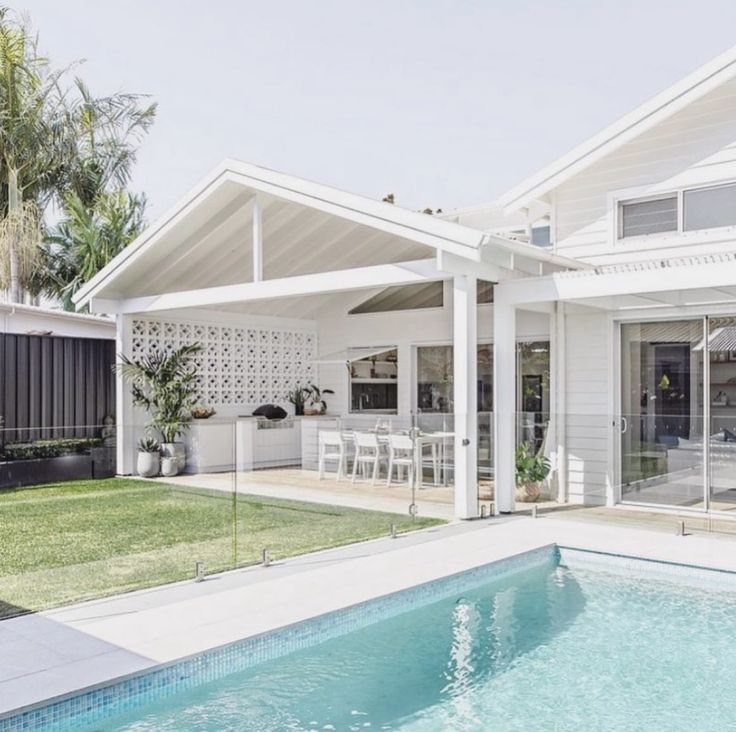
(548, 648)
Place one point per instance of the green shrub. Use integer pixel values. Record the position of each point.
(48, 448)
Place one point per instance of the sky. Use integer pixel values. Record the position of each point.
(445, 104)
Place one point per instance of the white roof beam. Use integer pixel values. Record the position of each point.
(257, 240)
(361, 278)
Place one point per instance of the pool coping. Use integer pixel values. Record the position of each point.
(454, 551)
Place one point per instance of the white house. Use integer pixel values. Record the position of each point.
(611, 318)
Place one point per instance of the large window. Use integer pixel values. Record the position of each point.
(373, 381)
(435, 380)
(694, 209)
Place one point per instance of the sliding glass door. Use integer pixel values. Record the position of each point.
(662, 425)
(721, 395)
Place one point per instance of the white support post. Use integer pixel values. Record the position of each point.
(504, 404)
(465, 387)
(559, 356)
(257, 240)
(125, 429)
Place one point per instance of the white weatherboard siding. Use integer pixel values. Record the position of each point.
(587, 405)
(695, 147)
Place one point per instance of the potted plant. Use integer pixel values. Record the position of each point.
(531, 471)
(298, 397)
(201, 412)
(315, 399)
(164, 385)
(149, 457)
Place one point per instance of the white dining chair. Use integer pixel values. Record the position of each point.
(332, 448)
(368, 453)
(401, 454)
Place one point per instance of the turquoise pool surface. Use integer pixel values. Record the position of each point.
(547, 647)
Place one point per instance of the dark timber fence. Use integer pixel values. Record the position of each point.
(55, 387)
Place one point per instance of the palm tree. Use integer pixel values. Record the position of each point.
(53, 141)
(82, 243)
(164, 384)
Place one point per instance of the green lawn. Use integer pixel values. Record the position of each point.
(71, 541)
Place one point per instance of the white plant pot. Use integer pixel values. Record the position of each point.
(175, 450)
(169, 467)
(148, 464)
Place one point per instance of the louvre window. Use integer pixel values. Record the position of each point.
(709, 208)
(640, 218)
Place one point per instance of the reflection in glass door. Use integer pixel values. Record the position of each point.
(721, 396)
(662, 424)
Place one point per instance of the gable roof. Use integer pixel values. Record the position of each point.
(225, 191)
(205, 240)
(657, 109)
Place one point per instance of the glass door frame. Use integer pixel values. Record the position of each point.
(619, 419)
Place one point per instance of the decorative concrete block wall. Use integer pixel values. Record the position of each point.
(237, 365)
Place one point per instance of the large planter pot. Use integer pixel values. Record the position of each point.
(528, 492)
(169, 467)
(175, 450)
(148, 464)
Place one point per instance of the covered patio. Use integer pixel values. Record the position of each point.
(284, 282)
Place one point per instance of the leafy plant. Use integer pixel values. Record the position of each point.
(148, 444)
(530, 467)
(298, 397)
(200, 412)
(164, 385)
(314, 396)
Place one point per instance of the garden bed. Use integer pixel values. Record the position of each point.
(49, 461)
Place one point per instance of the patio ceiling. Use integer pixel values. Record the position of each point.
(203, 250)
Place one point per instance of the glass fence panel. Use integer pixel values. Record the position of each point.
(73, 531)
(316, 482)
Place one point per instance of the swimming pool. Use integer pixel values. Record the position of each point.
(554, 639)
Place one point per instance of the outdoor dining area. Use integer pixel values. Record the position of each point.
(412, 457)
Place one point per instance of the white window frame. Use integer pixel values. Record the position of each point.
(618, 199)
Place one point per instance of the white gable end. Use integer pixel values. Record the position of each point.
(695, 147)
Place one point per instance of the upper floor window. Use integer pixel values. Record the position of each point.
(709, 208)
(653, 216)
(693, 209)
